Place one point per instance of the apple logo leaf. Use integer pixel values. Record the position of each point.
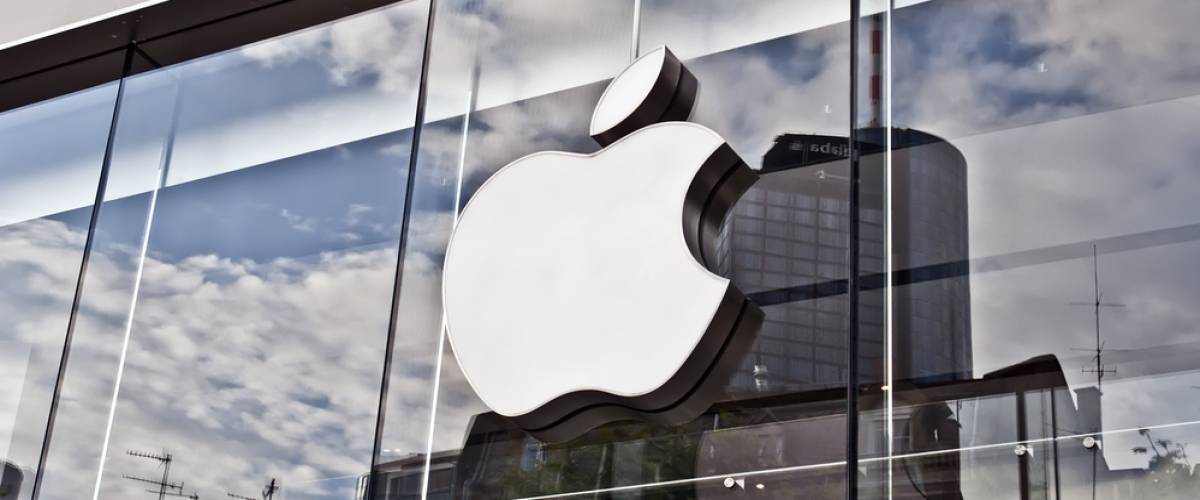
(655, 88)
(580, 289)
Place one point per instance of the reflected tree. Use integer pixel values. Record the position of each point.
(1170, 473)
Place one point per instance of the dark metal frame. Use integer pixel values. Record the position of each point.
(852, 263)
(83, 267)
(406, 218)
(165, 34)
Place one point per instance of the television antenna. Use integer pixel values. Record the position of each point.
(1100, 370)
(1098, 302)
(165, 486)
(268, 492)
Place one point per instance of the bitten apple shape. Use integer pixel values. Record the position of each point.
(575, 286)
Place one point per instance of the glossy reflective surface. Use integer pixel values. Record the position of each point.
(50, 160)
(232, 329)
(1070, 121)
(1026, 231)
(476, 454)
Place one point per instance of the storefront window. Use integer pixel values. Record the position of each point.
(1061, 166)
(255, 308)
(233, 323)
(758, 89)
(51, 155)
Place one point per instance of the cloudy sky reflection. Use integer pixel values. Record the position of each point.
(255, 348)
(256, 343)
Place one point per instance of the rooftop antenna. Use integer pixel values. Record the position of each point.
(268, 492)
(1100, 370)
(165, 486)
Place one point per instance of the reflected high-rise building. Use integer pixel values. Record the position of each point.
(785, 244)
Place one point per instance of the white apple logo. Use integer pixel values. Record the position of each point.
(575, 286)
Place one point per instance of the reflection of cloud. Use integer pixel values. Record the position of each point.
(245, 370)
(499, 136)
(39, 262)
(306, 91)
(14, 360)
(695, 28)
(302, 224)
(375, 47)
(524, 49)
(355, 213)
(755, 93)
(961, 67)
(288, 49)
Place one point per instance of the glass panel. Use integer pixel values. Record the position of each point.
(507, 46)
(1064, 466)
(877, 431)
(543, 469)
(876, 361)
(784, 245)
(1044, 226)
(51, 155)
(820, 482)
(244, 270)
(484, 56)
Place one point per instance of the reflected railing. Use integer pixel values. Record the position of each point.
(1037, 468)
(1067, 464)
(1023, 428)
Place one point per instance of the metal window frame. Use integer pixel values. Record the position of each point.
(165, 33)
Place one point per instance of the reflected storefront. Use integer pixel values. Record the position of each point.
(222, 271)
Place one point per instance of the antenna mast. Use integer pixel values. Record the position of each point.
(268, 492)
(165, 486)
(1096, 304)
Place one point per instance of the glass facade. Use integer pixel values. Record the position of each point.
(971, 238)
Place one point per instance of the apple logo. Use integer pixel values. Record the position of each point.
(579, 289)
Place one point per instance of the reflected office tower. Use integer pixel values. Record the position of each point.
(785, 244)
